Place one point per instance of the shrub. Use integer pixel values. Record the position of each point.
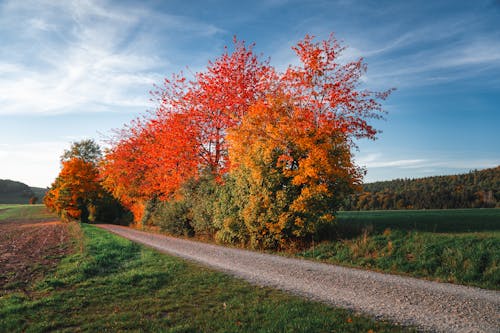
(173, 217)
(200, 196)
(190, 212)
(107, 209)
(228, 221)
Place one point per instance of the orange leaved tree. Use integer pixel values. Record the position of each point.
(296, 173)
(77, 192)
(75, 188)
(186, 136)
(292, 151)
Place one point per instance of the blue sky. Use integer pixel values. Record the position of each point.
(71, 70)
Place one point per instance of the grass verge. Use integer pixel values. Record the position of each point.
(114, 284)
(464, 259)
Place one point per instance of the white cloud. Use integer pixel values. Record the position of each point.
(40, 24)
(90, 57)
(382, 167)
(465, 164)
(377, 161)
(427, 52)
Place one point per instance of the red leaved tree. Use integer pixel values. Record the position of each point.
(299, 124)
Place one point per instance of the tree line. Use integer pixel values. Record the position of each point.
(475, 189)
(241, 153)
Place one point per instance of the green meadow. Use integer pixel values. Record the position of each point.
(458, 245)
(24, 212)
(435, 220)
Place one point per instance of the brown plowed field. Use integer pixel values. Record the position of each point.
(28, 249)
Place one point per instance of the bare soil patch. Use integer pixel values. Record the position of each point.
(28, 249)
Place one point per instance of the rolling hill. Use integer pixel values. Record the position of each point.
(13, 192)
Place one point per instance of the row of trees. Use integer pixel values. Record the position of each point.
(244, 153)
(476, 189)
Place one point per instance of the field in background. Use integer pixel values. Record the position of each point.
(460, 246)
(110, 283)
(38, 212)
(435, 220)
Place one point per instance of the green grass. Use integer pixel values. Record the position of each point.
(114, 284)
(460, 246)
(441, 221)
(24, 212)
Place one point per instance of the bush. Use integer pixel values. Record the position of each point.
(228, 222)
(200, 196)
(108, 210)
(173, 217)
(148, 217)
(189, 213)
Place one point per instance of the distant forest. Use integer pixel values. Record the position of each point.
(476, 189)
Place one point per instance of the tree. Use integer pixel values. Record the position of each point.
(215, 102)
(76, 187)
(331, 90)
(123, 172)
(85, 150)
(297, 173)
(186, 135)
(282, 140)
(77, 192)
(292, 149)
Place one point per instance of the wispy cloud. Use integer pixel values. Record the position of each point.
(411, 53)
(408, 51)
(90, 56)
(378, 161)
(377, 165)
(430, 67)
(397, 164)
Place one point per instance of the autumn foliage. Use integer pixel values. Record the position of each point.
(77, 192)
(296, 170)
(77, 182)
(267, 155)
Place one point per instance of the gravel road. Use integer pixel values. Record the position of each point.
(431, 306)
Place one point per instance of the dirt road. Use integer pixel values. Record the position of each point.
(428, 305)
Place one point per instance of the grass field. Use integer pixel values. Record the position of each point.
(24, 212)
(437, 221)
(460, 246)
(112, 284)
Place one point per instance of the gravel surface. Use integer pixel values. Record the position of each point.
(431, 306)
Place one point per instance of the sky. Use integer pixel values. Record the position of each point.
(73, 70)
